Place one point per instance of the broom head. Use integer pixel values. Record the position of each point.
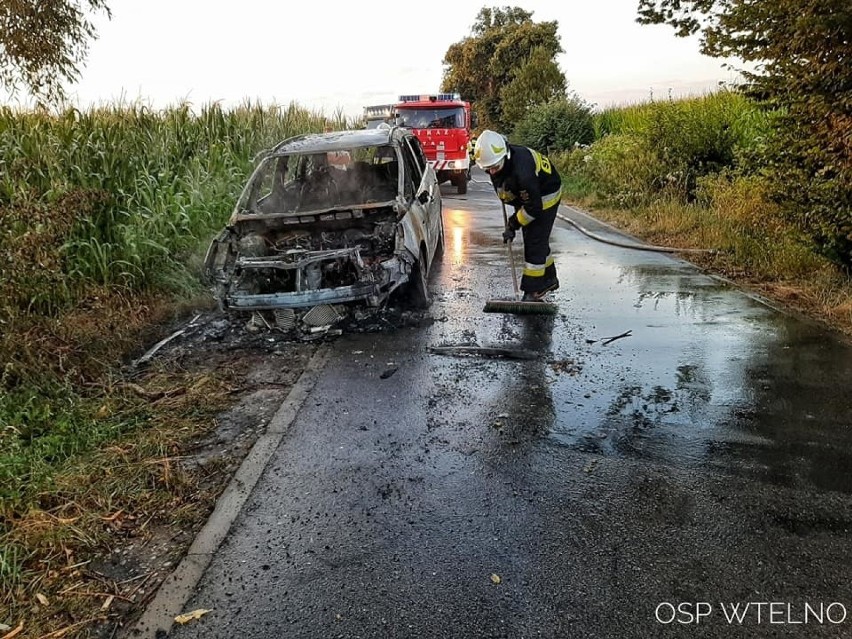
(518, 307)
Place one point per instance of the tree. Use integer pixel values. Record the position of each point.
(505, 66)
(43, 43)
(537, 80)
(803, 55)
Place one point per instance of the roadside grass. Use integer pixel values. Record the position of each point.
(104, 217)
(116, 474)
(78, 444)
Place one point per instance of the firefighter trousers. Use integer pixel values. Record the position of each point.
(539, 269)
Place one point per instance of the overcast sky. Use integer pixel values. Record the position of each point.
(344, 55)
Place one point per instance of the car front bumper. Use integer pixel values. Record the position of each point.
(373, 287)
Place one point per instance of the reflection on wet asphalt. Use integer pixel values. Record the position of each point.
(708, 376)
(704, 457)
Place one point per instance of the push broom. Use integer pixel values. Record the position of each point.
(516, 306)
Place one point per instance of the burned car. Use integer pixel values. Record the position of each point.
(330, 219)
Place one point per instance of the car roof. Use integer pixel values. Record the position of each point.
(339, 140)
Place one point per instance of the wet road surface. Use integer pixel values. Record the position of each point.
(598, 490)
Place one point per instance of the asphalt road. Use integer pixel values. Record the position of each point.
(643, 487)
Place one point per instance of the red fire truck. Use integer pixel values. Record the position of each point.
(442, 123)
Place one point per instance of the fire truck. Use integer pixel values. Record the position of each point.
(442, 122)
(376, 114)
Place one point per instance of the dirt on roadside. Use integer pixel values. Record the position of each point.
(258, 365)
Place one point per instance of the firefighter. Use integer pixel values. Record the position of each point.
(527, 180)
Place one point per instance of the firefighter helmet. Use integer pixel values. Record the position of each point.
(491, 148)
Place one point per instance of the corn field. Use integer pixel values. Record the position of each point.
(102, 209)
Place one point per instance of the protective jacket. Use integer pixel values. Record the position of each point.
(531, 184)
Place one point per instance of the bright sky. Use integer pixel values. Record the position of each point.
(344, 55)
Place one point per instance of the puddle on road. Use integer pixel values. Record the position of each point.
(708, 377)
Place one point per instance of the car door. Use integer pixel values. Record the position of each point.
(417, 200)
(428, 185)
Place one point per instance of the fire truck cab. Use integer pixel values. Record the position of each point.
(442, 123)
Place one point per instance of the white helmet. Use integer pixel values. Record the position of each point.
(490, 149)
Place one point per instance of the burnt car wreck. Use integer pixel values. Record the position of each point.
(330, 219)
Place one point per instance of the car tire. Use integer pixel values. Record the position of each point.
(418, 286)
(462, 186)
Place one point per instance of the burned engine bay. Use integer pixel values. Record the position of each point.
(296, 262)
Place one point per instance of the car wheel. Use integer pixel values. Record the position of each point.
(417, 287)
(462, 186)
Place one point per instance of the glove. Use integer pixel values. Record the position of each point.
(512, 225)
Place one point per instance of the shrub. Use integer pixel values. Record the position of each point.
(623, 119)
(690, 138)
(558, 125)
(577, 180)
(812, 179)
(623, 169)
(696, 137)
(802, 52)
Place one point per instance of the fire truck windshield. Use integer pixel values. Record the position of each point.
(431, 118)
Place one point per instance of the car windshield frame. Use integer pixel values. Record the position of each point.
(289, 183)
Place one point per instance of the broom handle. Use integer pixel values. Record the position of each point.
(511, 253)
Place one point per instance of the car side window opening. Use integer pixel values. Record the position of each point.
(413, 176)
(380, 181)
(417, 151)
